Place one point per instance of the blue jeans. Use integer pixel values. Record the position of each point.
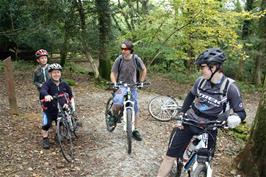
(119, 97)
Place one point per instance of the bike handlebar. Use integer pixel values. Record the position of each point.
(138, 84)
(208, 124)
(54, 97)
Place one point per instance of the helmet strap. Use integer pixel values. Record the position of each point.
(217, 68)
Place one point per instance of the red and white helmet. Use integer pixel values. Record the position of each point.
(41, 52)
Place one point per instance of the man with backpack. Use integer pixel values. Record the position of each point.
(128, 67)
(211, 96)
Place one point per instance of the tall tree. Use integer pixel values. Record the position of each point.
(83, 36)
(262, 46)
(245, 34)
(104, 19)
(252, 159)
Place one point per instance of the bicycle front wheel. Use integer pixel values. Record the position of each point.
(163, 108)
(200, 171)
(129, 131)
(64, 137)
(108, 115)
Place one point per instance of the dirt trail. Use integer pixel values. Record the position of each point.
(97, 152)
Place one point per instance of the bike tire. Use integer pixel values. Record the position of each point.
(64, 137)
(163, 108)
(129, 131)
(200, 171)
(74, 126)
(108, 114)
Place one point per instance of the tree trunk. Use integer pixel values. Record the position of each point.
(262, 45)
(245, 35)
(64, 48)
(257, 74)
(104, 18)
(252, 159)
(85, 47)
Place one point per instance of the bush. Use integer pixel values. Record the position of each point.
(70, 82)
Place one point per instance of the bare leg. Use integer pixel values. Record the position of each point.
(44, 134)
(116, 109)
(166, 166)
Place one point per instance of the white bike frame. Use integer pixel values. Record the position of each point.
(202, 144)
(128, 104)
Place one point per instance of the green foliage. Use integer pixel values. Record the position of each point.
(241, 132)
(75, 68)
(20, 65)
(1, 66)
(70, 82)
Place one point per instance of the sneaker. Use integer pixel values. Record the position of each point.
(118, 120)
(111, 122)
(45, 143)
(136, 135)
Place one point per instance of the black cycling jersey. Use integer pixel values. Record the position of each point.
(208, 103)
(50, 88)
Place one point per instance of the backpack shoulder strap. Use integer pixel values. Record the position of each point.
(225, 86)
(119, 67)
(136, 57)
(201, 84)
(224, 90)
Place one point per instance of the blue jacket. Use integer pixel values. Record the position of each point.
(50, 88)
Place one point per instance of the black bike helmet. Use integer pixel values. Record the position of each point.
(211, 56)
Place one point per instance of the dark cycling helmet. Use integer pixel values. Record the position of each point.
(54, 66)
(211, 56)
(41, 52)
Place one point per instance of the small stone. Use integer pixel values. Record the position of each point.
(233, 172)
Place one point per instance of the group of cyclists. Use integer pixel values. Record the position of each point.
(211, 95)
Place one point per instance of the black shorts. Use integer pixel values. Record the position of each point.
(180, 138)
(48, 118)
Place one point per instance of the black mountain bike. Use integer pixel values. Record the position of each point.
(66, 127)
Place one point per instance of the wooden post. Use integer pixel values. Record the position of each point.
(9, 77)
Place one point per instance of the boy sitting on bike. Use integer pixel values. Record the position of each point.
(50, 89)
(125, 69)
(210, 97)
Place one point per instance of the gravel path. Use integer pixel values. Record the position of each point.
(97, 151)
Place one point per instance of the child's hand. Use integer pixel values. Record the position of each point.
(48, 98)
(65, 106)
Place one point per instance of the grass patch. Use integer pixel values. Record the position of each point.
(70, 82)
(241, 132)
(74, 68)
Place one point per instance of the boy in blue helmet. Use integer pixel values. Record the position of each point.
(205, 101)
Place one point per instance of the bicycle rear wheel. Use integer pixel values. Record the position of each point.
(108, 115)
(129, 131)
(64, 137)
(163, 108)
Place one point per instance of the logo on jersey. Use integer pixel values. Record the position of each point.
(211, 100)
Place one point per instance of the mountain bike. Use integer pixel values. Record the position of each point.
(197, 159)
(126, 115)
(66, 127)
(164, 108)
